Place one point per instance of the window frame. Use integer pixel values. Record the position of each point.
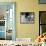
(39, 23)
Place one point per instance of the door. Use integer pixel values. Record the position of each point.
(8, 15)
(42, 22)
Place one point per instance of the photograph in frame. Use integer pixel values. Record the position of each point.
(27, 17)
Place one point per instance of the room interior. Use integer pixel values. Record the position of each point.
(31, 31)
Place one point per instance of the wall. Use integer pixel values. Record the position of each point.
(27, 30)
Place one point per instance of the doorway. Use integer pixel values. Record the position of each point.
(42, 22)
(7, 21)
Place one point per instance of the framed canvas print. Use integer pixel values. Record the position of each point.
(42, 1)
(42, 22)
(26, 17)
(7, 20)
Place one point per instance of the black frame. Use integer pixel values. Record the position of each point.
(40, 2)
(25, 22)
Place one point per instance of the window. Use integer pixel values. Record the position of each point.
(7, 21)
(27, 17)
(42, 22)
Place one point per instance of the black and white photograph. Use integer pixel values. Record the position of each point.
(26, 17)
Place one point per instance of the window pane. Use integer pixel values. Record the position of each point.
(42, 17)
(42, 20)
(2, 28)
(43, 28)
(2, 35)
(40, 29)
